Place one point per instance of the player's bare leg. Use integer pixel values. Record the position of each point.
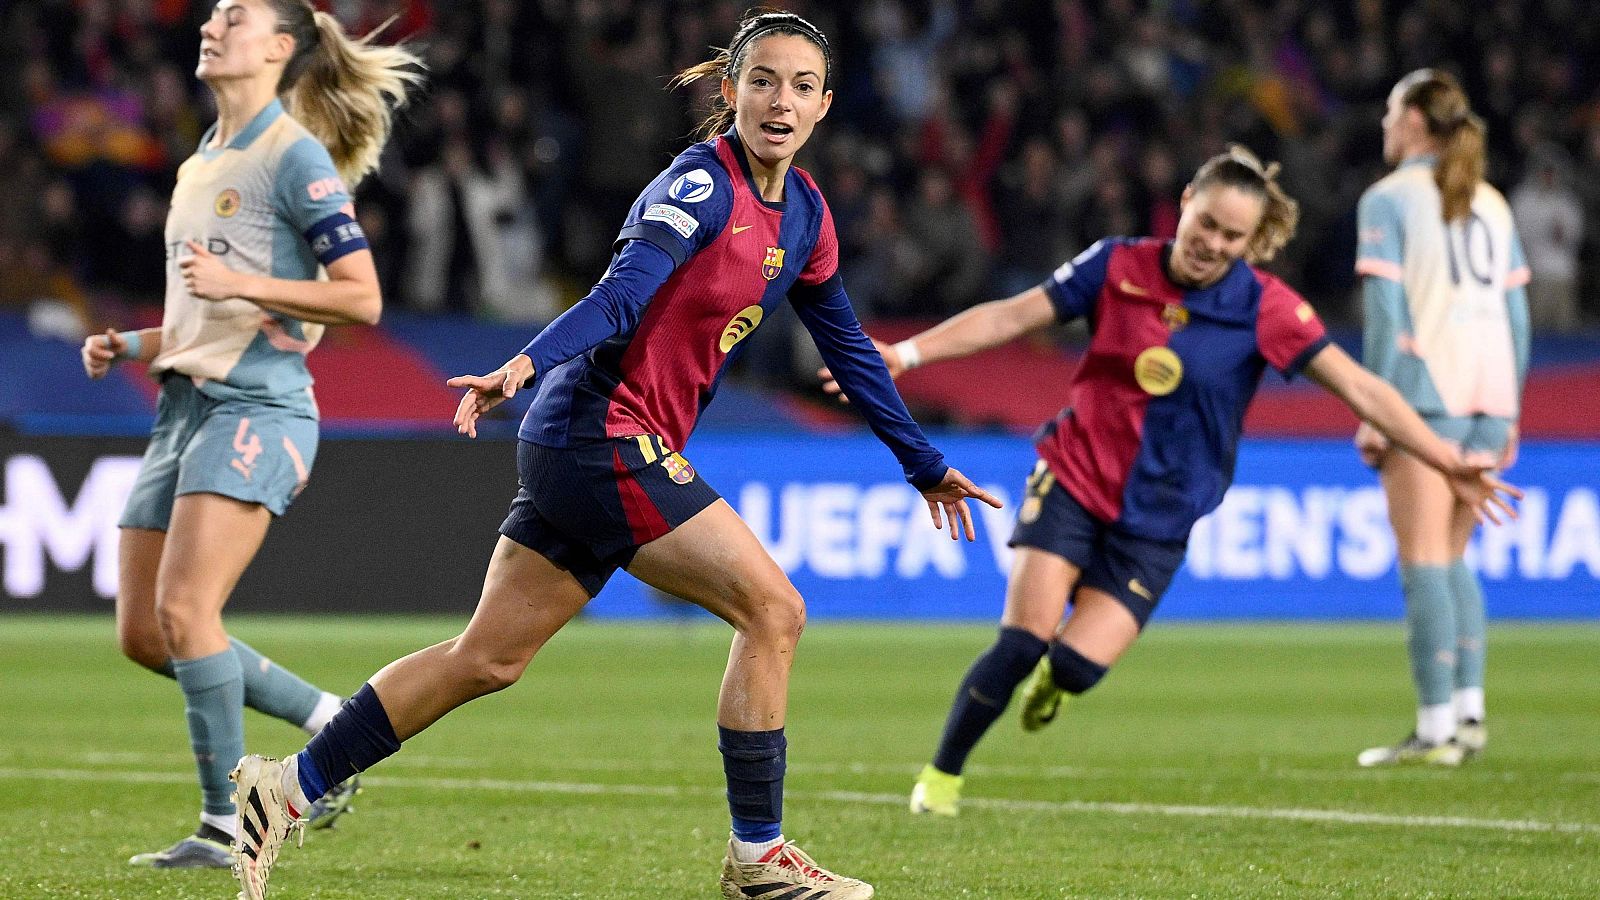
(525, 600)
(1421, 507)
(715, 561)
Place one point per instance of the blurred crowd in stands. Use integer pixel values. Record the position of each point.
(971, 148)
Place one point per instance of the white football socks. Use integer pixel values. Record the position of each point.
(747, 852)
(1436, 724)
(1468, 703)
(327, 705)
(225, 824)
(291, 786)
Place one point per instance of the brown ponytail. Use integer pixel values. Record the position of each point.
(343, 90)
(1280, 214)
(1459, 132)
(726, 63)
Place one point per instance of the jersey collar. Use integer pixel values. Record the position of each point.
(732, 137)
(250, 132)
(1425, 159)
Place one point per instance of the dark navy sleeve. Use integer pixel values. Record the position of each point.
(1074, 288)
(613, 307)
(684, 208)
(825, 311)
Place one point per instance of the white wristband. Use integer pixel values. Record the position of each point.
(910, 356)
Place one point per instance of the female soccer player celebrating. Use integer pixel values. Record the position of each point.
(1183, 331)
(710, 247)
(258, 213)
(1447, 325)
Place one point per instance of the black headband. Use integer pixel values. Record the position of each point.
(782, 22)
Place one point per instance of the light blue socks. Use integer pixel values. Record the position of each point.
(213, 694)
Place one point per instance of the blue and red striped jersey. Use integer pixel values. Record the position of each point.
(1157, 404)
(663, 346)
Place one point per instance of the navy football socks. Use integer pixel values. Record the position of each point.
(984, 694)
(753, 762)
(1072, 671)
(355, 739)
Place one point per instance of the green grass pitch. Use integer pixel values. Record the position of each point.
(1216, 761)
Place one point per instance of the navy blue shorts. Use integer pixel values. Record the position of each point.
(1134, 570)
(588, 508)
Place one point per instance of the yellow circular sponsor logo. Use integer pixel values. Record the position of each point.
(227, 203)
(741, 326)
(1158, 370)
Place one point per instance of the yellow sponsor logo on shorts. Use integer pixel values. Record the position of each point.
(1158, 371)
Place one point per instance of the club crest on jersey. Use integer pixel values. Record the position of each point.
(773, 264)
(1158, 371)
(740, 328)
(228, 203)
(692, 187)
(1175, 317)
(678, 468)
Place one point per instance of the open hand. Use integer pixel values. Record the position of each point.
(947, 500)
(485, 392)
(1480, 488)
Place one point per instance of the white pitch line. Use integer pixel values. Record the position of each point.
(909, 768)
(499, 785)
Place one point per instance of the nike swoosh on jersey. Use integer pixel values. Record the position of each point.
(1129, 287)
(737, 229)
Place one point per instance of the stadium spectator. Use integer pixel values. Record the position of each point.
(1301, 79)
(1550, 219)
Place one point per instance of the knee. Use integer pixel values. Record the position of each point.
(1072, 671)
(776, 616)
(145, 647)
(485, 671)
(182, 622)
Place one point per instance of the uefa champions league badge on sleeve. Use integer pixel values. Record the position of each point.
(692, 187)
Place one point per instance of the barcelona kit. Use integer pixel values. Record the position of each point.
(1148, 442)
(622, 378)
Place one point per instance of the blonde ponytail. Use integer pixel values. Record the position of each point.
(343, 90)
(1460, 167)
(1459, 132)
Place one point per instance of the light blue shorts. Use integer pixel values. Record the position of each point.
(201, 445)
(1477, 435)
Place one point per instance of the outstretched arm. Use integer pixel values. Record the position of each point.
(613, 307)
(825, 311)
(1378, 403)
(970, 331)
